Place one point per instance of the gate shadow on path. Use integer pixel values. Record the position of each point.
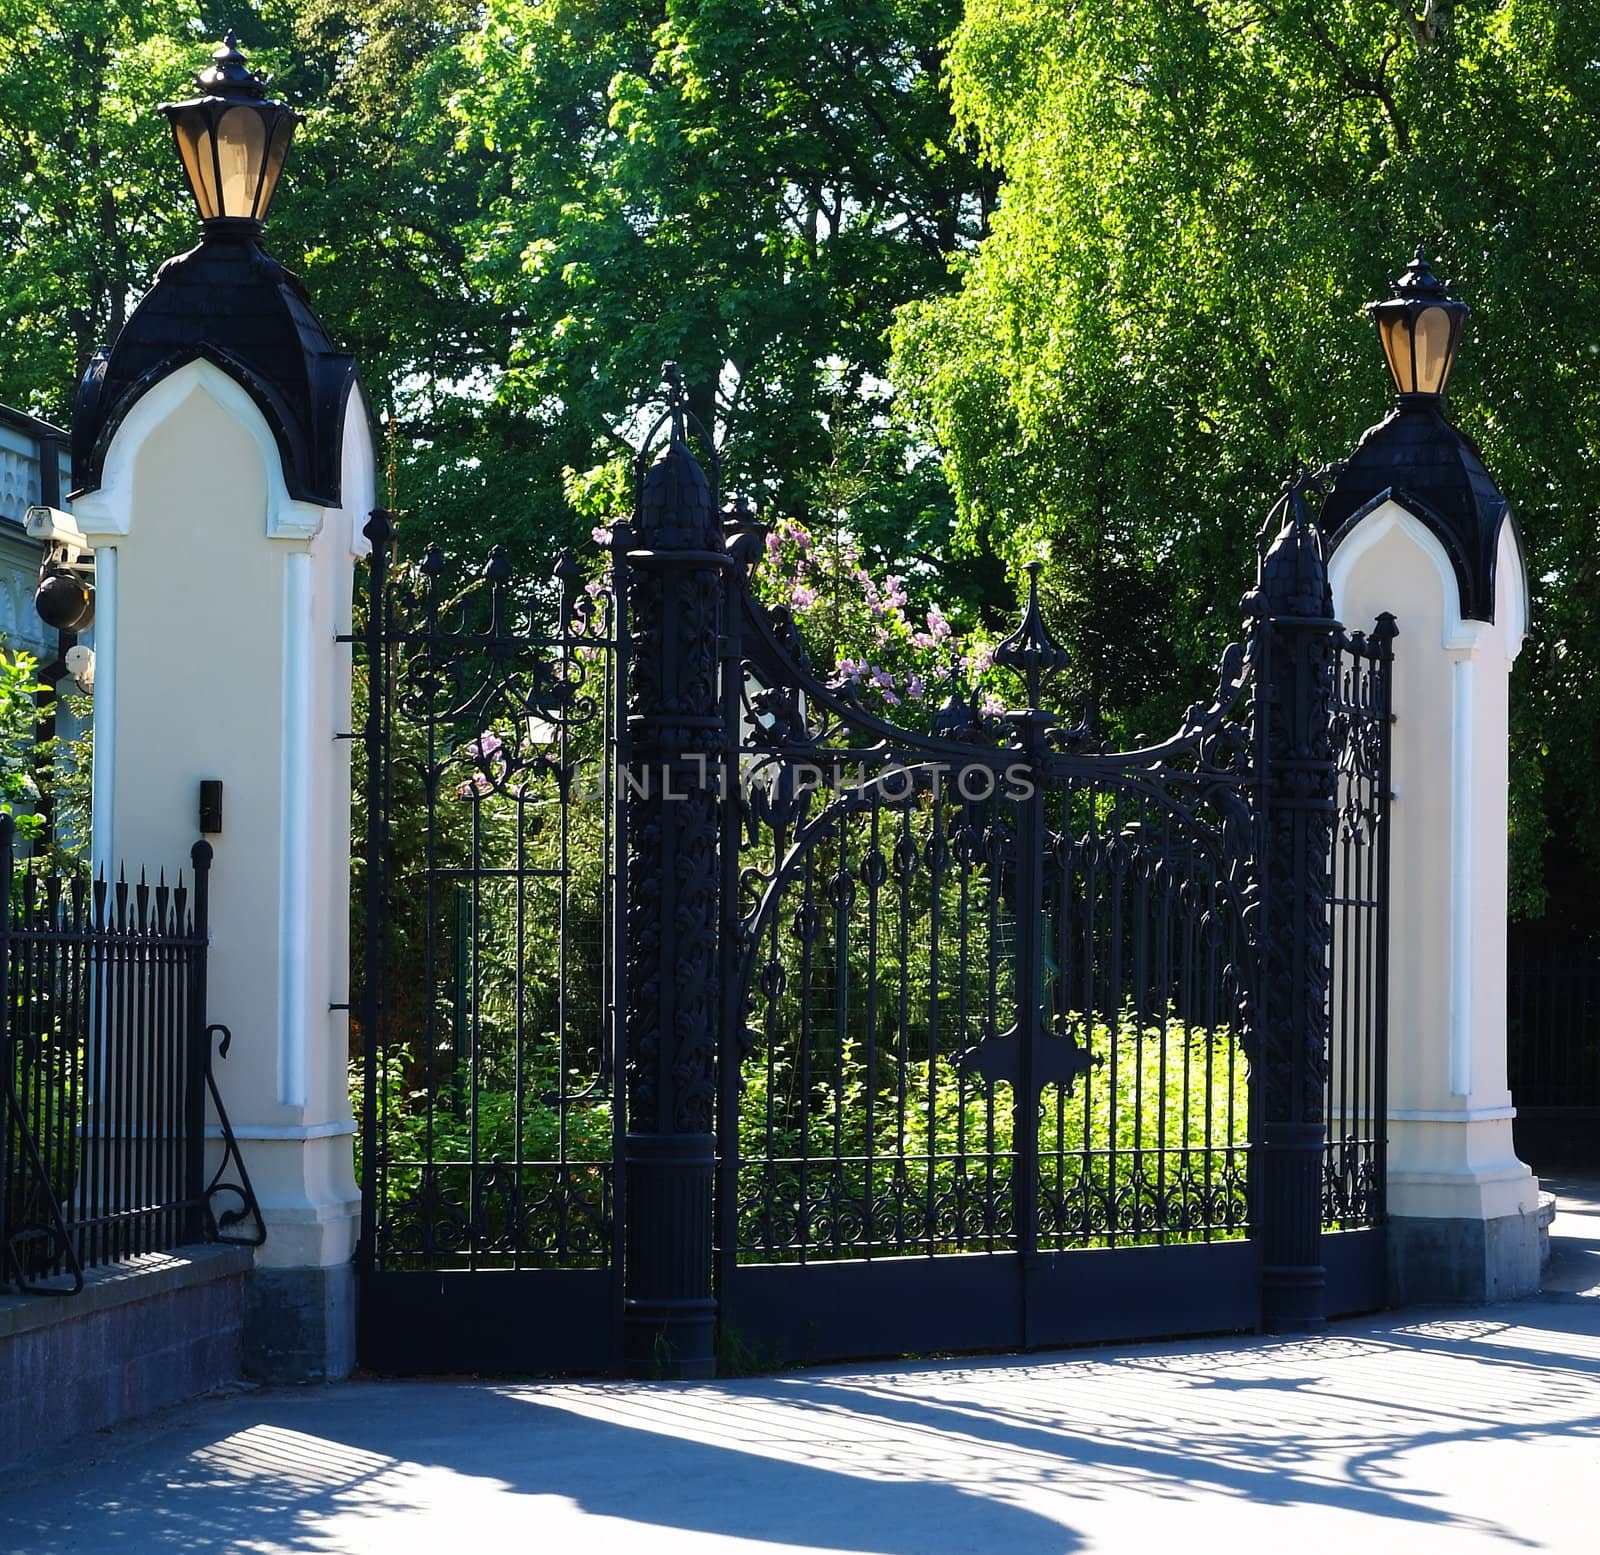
(412, 1467)
(1041, 1457)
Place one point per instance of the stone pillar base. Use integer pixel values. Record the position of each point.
(1437, 1259)
(300, 1324)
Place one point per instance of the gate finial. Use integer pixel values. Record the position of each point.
(1293, 579)
(1031, 649)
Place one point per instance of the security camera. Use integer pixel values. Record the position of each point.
(65, 596)
(64, 543)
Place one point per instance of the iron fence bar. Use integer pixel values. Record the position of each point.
(1382, 638)
(619, 752)
(379, 531)
(1028, 868)
(199, 1050)
(121, 1063)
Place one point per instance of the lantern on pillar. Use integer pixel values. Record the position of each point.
(1419, 328)
(232, 140)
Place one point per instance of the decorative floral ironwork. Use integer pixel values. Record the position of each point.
(886, 882)
(487, 983)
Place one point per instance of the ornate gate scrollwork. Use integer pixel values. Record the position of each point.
(712, 1007)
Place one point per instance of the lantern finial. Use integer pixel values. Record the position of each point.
(1419, 328)
(229, 73)
(232, 140)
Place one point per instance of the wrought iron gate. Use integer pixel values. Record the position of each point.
(487, 992)
(975, 1036)
(992, 983)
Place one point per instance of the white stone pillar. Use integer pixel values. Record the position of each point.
(1463, 1208)
(220, 599)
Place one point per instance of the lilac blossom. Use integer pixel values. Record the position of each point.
(488, 754)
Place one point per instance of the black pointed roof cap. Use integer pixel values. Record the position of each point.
(1293, 581)
(677, 507)
(230, 303)
(1416, 458)
(229, 73)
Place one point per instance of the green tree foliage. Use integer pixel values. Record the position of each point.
(515, 212)
(749, 189)
(91, 199)
(1198, 199)
(19, 715)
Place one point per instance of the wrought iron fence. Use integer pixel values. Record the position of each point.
(106, 1060)
(1553, 1021)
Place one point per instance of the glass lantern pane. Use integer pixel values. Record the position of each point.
(282, 134)
(1432, 350)
(1395, 333)
(241, 151)
(194, 147)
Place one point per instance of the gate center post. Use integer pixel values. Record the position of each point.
(675, 739)
(1292, 938)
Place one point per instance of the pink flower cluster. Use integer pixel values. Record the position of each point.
(864, 623)
(488, 754)
(861, 622)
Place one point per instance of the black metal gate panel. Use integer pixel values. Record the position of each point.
(1354, 1242)
(994, 980)
(484, 1015)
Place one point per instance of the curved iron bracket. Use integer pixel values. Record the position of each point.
(219, 1226)
(56, 1222)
